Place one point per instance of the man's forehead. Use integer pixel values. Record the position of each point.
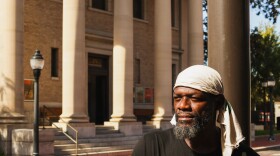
(183, 89)
(187, 89)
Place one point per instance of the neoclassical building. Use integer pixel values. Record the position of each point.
(113, 62)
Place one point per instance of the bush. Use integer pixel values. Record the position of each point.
(265, 132)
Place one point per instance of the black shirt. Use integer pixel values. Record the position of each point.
(164, 143)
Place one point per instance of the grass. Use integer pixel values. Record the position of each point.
(265, 132)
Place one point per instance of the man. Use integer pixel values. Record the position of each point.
(199, 105)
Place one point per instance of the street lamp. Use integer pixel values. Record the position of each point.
(37, 64)
(264, 85)
(270, 85)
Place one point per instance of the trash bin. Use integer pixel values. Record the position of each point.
(278, 123)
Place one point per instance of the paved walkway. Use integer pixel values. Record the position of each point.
(262, 142)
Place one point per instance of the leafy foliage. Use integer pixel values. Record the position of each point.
(265, 59)
(266, 7)
(265, 49)
(205, 31)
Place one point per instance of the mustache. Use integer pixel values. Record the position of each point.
(186, 113)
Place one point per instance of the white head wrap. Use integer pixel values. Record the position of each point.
(208, 80)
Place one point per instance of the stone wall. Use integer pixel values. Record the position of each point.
(22, 142)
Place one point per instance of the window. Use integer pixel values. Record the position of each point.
(173, 13)
(137, 71)
(99, 4)
(54, 62)
(174, 74)
(138, 9)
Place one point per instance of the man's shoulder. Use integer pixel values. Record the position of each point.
(156, 143)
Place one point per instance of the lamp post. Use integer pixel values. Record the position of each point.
(264, 85)
(37, 64)
(270, 85)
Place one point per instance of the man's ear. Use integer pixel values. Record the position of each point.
(220, 100)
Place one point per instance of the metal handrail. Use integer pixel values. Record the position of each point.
(67, 124)
(67, 135)
(44, 117)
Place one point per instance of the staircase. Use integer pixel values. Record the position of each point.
(107, 140)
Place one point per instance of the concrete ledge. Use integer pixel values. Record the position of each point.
(259, 127)
(22, 142)
(6, 136)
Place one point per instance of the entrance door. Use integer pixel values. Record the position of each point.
(98, 88)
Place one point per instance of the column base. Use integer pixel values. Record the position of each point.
(126, 118)
(85, 130)
(73, 119)
(128, 128)
(12, 118)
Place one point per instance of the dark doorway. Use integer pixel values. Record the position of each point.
(98, 88)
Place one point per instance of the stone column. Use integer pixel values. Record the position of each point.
(184, 34)
(195, 32)
(228, 47)
(11, 71)
(74, 102)
(11, 62)
(162, 65)
(123, 117)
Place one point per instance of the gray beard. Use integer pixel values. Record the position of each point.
(181, 131)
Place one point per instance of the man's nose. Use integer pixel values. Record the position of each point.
(185, 103)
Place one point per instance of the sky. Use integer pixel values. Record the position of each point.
(256, 20)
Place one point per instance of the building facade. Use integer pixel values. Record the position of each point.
(113, 62)
(138, 47)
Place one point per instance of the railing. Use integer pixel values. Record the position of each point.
(44, 116)
(45, 109)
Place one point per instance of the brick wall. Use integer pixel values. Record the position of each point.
(43, 30)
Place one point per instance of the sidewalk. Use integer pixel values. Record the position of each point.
(262, 142)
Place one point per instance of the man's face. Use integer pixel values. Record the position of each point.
(194, 110)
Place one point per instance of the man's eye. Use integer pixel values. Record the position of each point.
(176, 98)
(197, 99)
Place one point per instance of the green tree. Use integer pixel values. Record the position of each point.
(205, 32)
(265, 59)
(266, 7)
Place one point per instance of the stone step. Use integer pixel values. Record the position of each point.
(93, 150)
(107, 140)
(105, 129)
(63, 137)
(97, 144)
(60, 136)
(99, 130)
